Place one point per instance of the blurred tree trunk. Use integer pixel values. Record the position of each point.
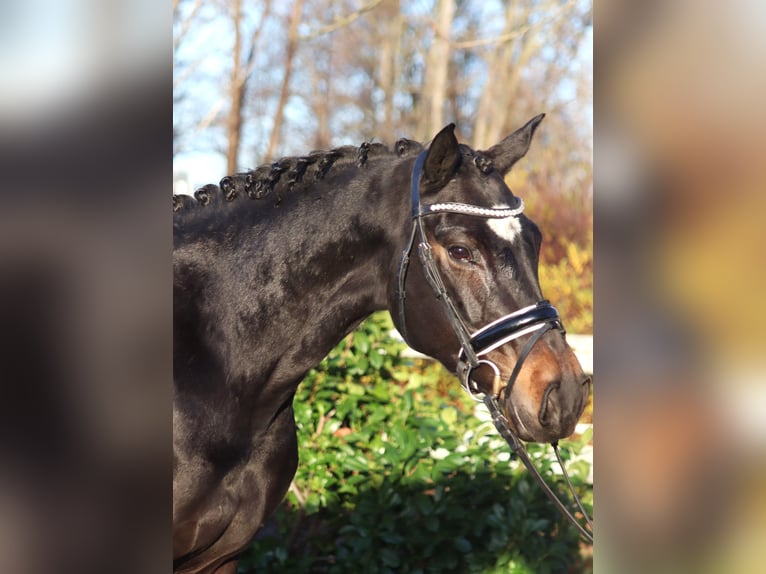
(236, 93)
(284, 92)
(321, 93)
(241, 73)
(431, 119)
(387, 68)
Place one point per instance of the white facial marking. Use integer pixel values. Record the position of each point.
(507, 228)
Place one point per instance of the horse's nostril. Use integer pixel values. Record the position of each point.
(549, 409)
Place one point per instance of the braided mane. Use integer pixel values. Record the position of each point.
(290, 174)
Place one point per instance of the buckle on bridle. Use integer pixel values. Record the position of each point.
(472, 388)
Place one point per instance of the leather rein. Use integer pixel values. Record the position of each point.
(535, 319)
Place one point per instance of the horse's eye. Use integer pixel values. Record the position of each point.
(459, 253)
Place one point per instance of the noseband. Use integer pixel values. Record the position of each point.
(535, 319)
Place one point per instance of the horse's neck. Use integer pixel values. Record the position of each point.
(335, 263)
(299, 279)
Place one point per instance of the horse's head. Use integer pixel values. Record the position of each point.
(477, 305)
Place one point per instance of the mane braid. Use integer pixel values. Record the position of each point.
(361, 155)
(277, 169)
(255, 182)
(325, 163)
(232, 186)
(206, 194)
(296, 173)
(484, 164)
(405, 147)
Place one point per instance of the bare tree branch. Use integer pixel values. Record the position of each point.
(236, 92)
(342, 21)
(211, 115)
(185, 23)
(292, 44)
(250, 62)
(513, 34)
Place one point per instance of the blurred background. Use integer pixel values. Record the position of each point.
(680, 346)
(85, 306)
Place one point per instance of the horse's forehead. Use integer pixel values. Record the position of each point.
(486, 188)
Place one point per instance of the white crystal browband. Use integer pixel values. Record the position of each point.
(466, 209)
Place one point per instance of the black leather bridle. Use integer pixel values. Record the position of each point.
(535, 320)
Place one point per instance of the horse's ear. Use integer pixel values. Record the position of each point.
(442, 159)
(514, 147)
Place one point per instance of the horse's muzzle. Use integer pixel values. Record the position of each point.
(551, 395)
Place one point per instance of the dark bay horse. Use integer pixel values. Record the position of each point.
(275, 266)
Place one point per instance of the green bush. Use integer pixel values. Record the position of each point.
(401, 472)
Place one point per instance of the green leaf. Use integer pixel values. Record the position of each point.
(389, 557)
(539, 524)
(463, 545)
(424, 504)
(376, 360)
(431, 523)
(449, 415)
(361, 342)
(355, 389)
(357, 462)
